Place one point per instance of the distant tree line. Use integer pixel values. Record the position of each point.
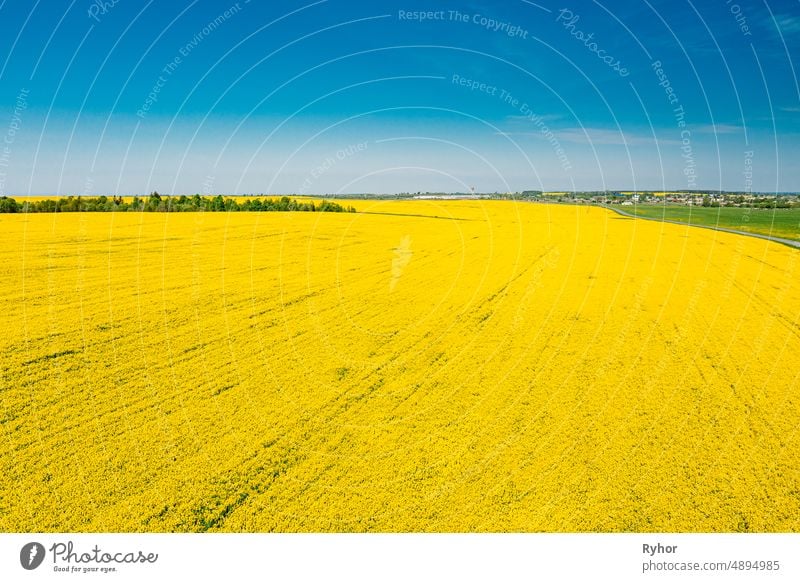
(157, 203)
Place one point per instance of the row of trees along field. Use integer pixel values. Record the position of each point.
(157, 203)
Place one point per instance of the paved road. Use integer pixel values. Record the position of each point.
(789, 242)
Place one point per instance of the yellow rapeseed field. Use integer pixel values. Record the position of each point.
(416, 366)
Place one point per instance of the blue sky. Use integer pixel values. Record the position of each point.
(332, 96)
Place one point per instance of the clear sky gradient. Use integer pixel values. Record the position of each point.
(332, 96)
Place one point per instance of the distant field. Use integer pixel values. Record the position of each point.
(780, 222)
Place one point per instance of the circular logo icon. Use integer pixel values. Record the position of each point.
(31, 555)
